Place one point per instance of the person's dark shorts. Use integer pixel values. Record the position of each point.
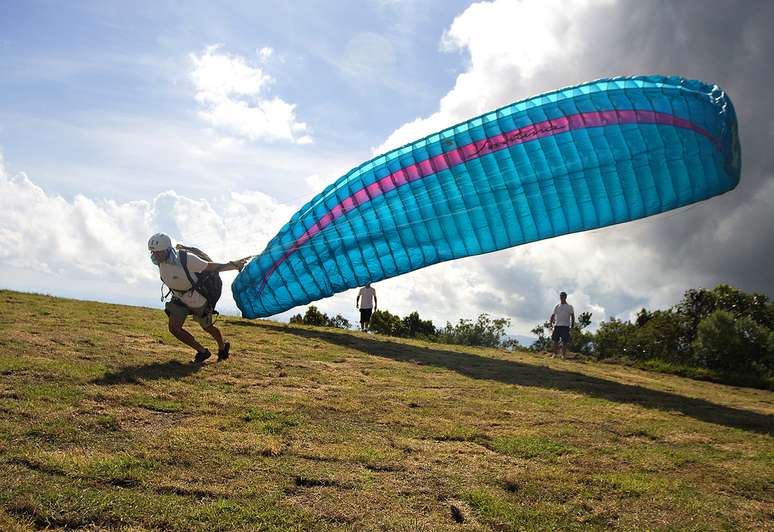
(365, 314)
(561, 332)
(202, 316)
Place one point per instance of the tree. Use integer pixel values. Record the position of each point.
(543, 342)
(612, 338)
(318, 319)
(659, 334)
(580, 340)
(485, 331)
(727, 343)
(383, 322)
(315, 317)
(340, 322)
(698, 304)
(414, 326)
(512, 344)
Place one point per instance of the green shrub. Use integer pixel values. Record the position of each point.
(318, 319)
(612, 338)
(485, 331)
(729, 343)
(414, 326)
(383, 322)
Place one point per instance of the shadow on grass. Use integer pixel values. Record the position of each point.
(244, 323)
(511, 372)
(171, 369)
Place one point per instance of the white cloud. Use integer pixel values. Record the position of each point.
(316, 182)
(49, 243)
(146, 155)
(233, 96)
(508, 43)
(264, 54)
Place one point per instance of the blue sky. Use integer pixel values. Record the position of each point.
(354, 71)
(215, 121)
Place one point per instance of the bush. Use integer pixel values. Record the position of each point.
(543, 342)
(730, 344)
(383, 322)
(318, 319)
(612, 339)
(485, 332)
(416, 327)
(339, 322)
(661, 335)
(698, 304)
(581, 341)
(315, 317)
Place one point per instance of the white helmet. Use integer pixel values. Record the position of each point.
(159, 242)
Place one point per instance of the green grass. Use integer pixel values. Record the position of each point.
(104, 423)
(529, 447)
(500, 512)
(271, 422)
(157, 405)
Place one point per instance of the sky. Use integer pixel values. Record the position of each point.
(215, 121)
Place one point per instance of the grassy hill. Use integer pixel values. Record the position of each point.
(104, 423)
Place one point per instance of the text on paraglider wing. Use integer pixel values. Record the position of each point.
(493, 144)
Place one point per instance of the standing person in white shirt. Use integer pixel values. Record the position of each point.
(186, 300)
(562, 320)
(366, 302)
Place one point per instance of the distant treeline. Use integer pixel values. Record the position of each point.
(723, 334)
(485, 331)
(318, 319)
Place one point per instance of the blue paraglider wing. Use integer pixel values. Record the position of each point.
(585, 157)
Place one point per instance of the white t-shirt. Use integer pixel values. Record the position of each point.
(174, 277)
(562, 313)
(367, 297)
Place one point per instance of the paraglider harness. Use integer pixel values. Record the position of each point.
(208, 284)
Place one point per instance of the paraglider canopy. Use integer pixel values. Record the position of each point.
(580, 158)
